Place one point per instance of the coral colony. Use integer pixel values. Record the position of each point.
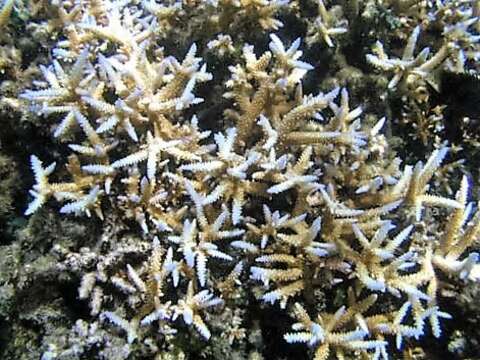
(282, 201)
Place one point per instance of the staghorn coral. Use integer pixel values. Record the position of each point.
(298, 194)
(327, 25)
(229, 17)
(326, 330)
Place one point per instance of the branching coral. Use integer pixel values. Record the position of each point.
(326, 25)
(326, 332)
(216, 16)
(301, 192)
